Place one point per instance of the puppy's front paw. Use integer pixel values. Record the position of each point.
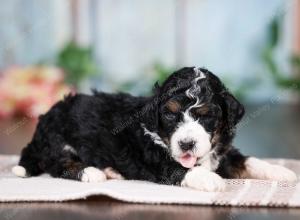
(92, 175)
(202, 179)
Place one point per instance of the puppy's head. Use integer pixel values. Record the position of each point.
(194, 114)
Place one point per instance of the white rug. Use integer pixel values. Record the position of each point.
(238, 192)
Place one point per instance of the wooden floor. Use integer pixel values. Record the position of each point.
(105, 209)
(267, 131)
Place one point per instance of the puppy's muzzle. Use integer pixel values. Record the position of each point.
(186, 145)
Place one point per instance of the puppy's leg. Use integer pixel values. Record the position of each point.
(201, 178)
(92, 174)
(72, 168)
(259, 169)
(112, 174)
(29, 163)
(236, 165)
(232, 165)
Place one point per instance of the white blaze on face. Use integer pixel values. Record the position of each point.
(190, 130)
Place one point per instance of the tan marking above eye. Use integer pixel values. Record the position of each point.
(173, 106)
(202, 110)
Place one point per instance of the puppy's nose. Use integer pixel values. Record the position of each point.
(186, 145)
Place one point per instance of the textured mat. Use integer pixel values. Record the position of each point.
(238, 192)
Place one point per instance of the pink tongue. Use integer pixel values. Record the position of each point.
(187, 160)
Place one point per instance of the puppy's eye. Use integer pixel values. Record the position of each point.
(202, 111)
(173, 106)
(170, 116)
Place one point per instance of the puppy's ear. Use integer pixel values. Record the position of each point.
(235, 110)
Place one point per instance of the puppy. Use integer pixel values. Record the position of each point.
(181, 135)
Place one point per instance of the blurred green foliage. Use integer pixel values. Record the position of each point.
(77, 62)
(127, 86)
(161, 72)
(280, 78)
(143, 84)
(242, 89)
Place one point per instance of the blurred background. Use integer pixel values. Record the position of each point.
(51, 48)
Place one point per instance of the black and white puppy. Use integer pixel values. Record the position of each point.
(181, 135)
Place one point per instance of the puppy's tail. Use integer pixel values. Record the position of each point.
(28, 164)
